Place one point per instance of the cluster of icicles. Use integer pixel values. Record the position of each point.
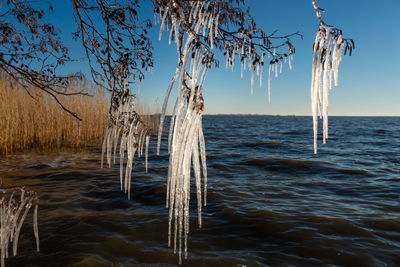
(186, 140)
(126, 129)
(186, 143)
(258, 67)
(14, 206)
(208, 25)
(327, 56)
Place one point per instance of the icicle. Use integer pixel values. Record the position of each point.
(200, 17)
(196, 10)
(162, 23)
(233, 60)
(325, 103)
(210, 30)
(314, 90)
(249, 50)
(337, 58)
(147, 151)
(203, 160)
(171, 127)
(139, 140)
(35, 226)
(196, 167)
(191, 14)
(164, 108)
(122, 149)
(172, 30)
(204, 23)
(143, 140)
(19, 225)
(269, 83)
(109, 145)
(216, 25)
(262, 67)
(252, 79)
(258, 69)
(104, 145)
(115, 141)
(177, 25)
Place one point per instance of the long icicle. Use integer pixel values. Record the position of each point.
(185, 137)
(324, 63)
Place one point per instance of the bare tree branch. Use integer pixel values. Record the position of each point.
(31, 50)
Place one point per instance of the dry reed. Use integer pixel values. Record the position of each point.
(38, 122)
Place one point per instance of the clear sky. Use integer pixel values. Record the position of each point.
(369, 81)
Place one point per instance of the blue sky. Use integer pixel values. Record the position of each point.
(369, 81)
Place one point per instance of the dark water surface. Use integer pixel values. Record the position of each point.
(271, 201)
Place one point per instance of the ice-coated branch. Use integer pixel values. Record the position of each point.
(15, 203)
(186, 141)
(318, 11)
(327, 55)
(125, 128)
(226, 27)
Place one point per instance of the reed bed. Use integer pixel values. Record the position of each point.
(37, 122)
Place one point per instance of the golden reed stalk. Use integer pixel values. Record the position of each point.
(39, 123)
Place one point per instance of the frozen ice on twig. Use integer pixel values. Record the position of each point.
(13, 210)
(325, 64)
(125, 128)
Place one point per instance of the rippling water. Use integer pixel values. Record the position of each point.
(271, 201)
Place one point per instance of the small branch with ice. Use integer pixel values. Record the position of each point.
(327, 55)
(15, 204)
(125, 128)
